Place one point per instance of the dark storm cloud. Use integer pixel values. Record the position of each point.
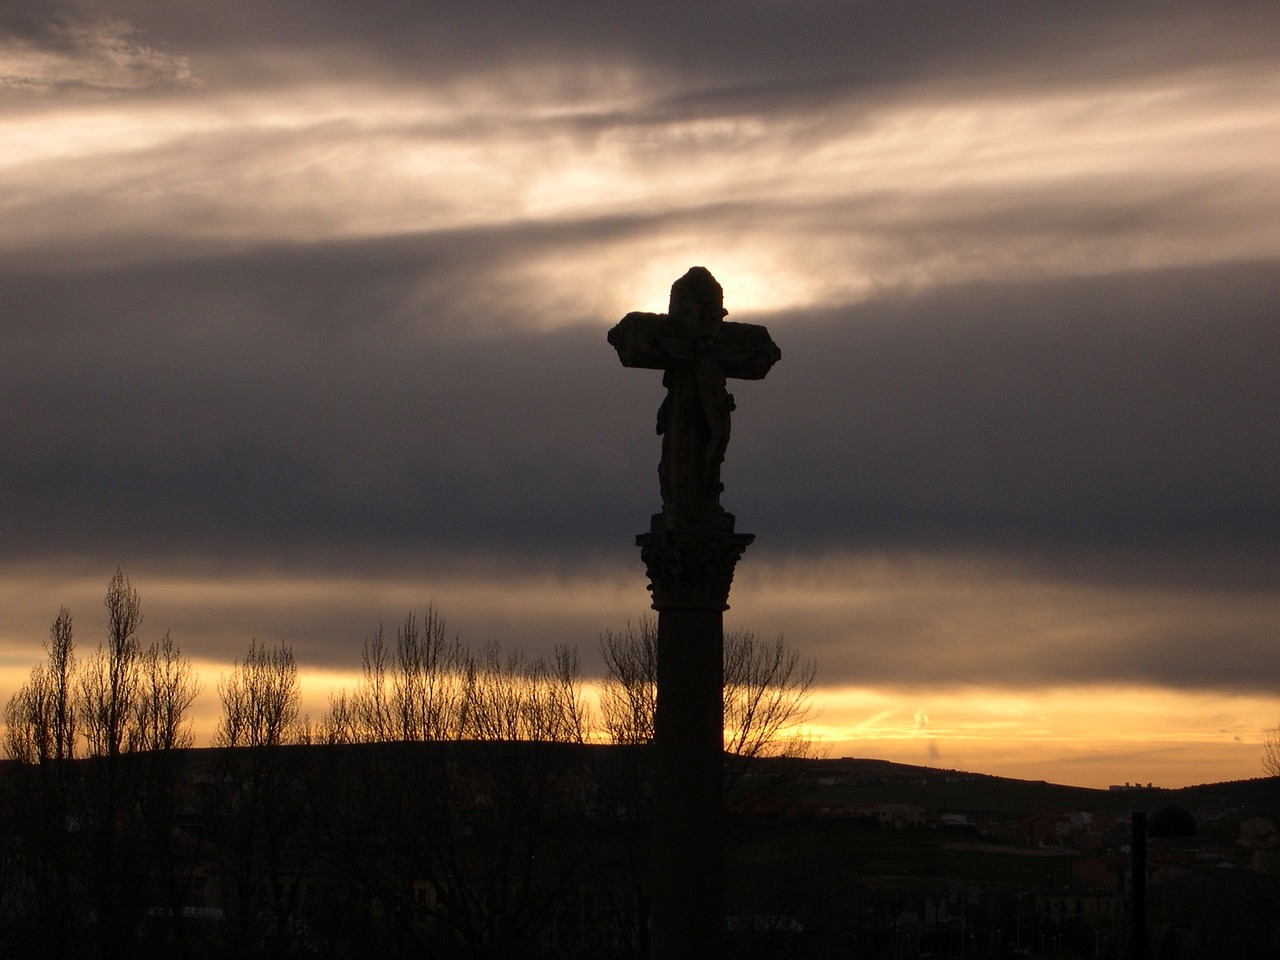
(993, 621)
(317, 395)
(877, 41)
(704, 51)
(358, 394)
(1108, 411)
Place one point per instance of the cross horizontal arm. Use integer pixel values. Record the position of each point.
(649, 341)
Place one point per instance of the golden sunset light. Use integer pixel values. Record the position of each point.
(1094, 736)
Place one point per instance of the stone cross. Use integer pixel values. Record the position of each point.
(696, 350)
(690, 553)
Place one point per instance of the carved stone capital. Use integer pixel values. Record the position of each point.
(690, 566)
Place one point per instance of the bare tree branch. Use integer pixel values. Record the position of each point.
(259, 699)
(111, 682)
(768, 691)
(169, 687)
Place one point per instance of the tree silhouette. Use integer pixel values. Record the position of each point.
(97, 832)
(768, 691)
(260, 699)
(1271, 752)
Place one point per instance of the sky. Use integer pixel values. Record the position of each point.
(302, 326)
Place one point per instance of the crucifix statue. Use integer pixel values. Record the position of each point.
(697, 350)
(690, 553)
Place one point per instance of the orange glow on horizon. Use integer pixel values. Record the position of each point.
(1087, 735)
(1090, 737)
(1083, 736)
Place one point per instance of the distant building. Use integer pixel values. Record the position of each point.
(1078, 899)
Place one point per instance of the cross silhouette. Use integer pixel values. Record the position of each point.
(697, 350)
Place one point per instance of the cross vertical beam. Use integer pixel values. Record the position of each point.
(690, 553)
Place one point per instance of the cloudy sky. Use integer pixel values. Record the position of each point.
(302, 316)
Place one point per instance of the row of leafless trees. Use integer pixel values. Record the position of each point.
(123, 698)
(428, 686)
(449, 805)
(85, 828)
(425, 686)
(453, 792)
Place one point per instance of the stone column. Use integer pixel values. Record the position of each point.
(690, 562)
(690, 552)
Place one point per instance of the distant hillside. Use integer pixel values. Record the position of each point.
(867, 780)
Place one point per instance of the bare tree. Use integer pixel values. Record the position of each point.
(260, 817)
(259, 699)
(418, 691)
(431, 688)
(40, 732)
(109, 696)
(515, 698)
(169, 687)
(569, 718)
(767, 698)
(1271, 752)
(373, 701)
(428, 686)
(40, 719)
(121, 700)
(61, 674)
(26, 717)
(465, 797)
(111, 682)
(339, 723)
(629, 694)
(768, 691)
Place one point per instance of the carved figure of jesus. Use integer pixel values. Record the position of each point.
(697, 351)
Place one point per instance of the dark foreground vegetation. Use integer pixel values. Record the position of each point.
(515, 849)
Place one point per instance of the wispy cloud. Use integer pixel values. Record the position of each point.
(64, 53)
